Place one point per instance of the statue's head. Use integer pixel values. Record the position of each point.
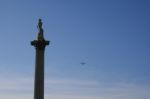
(40, 20)
(40, 24)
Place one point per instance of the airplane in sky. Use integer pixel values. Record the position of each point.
(82, 63)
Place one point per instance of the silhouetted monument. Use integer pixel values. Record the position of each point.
(39, 44)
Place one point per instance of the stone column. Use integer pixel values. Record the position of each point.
(39, 45)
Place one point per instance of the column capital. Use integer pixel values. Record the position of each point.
(40, 44)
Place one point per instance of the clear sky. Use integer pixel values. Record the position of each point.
(111, 36)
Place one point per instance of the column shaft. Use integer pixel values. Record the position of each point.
(39, 74)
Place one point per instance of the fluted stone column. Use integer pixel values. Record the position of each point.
(39, 45)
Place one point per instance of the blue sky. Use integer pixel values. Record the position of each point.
(111, 36)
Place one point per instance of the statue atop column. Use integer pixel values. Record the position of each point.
(41, 32)
(40, 43)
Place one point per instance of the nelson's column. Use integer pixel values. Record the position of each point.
(39, 44)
